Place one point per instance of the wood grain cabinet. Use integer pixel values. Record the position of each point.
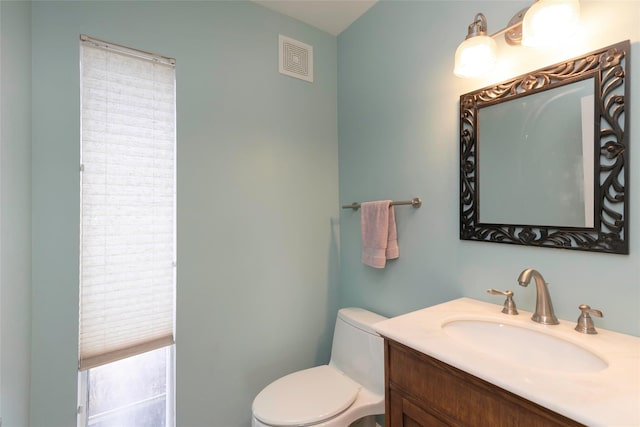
(422, 391)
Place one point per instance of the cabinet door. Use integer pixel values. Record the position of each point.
(426, 392)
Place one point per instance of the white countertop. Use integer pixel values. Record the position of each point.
(609, 397)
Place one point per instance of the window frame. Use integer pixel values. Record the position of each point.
(84, 375)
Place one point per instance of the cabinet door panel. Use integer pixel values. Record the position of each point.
(406, 414)
(414, 416)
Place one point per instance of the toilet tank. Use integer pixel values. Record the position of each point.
(357, 349)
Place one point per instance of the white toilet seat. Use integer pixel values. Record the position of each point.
(305, 397)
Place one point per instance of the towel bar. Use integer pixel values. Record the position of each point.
(415, 202)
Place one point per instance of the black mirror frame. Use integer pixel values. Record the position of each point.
(609, 67)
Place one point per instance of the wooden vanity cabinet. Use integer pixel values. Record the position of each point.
(422, 391)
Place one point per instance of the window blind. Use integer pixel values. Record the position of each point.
(128, 199)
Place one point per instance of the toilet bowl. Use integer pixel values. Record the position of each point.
(350, 388)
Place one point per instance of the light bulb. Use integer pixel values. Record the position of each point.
(475, 56)
(549, 22)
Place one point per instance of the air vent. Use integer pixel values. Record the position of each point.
(296, 58)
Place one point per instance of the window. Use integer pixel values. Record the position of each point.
(136, 391)
(127, 236)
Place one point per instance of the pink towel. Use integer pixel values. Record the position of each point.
(379, 237)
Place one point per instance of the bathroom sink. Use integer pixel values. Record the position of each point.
(522, 345)
(593, 379)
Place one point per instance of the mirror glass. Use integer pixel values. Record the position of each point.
(543, 156)
(536, 158)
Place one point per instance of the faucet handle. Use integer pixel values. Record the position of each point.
(509, 303)
(585, 322)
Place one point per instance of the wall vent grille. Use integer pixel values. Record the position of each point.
(296, 58)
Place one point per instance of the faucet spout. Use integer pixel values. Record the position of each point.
(544, 309)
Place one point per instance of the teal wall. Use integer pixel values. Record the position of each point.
(257, 200)
(15, 212)
(398, 134)
(258, 220)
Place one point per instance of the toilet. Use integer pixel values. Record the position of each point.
(349, 389)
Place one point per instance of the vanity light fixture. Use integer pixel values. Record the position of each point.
(547, 21)
(477, 53)
(542, 24)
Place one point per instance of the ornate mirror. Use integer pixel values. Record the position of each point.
(543, 157)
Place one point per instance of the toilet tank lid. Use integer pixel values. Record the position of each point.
(360, 318)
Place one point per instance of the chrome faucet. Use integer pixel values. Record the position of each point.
(544, 309)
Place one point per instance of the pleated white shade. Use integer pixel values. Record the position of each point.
(128, 199)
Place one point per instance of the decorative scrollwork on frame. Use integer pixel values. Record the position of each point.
(611, 223)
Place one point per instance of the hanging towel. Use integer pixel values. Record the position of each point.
(392, 251)
(379, 237)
